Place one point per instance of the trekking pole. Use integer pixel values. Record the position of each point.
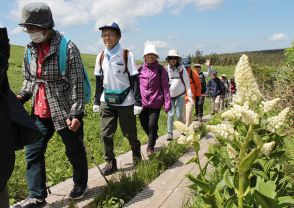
(96, 164)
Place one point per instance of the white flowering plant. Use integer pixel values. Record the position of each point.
(250, 133)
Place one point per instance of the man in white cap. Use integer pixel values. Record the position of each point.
(226, 90)
(117, 95)
(58, 102)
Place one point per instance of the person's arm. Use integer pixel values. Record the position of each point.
(187, 84)
(4, 56)
(134, 79)
(76, 74)
(209, 68)
(26, 91)
(165, 89)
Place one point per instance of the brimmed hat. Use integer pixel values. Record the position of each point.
(150, 48)
(173, 53)
(224, 75)
(112, 25)
(197, 65)
(37, 14)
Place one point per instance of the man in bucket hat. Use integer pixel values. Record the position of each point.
(117, 95)
(58, 102)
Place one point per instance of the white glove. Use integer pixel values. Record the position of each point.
(96, 108)
(137, 110)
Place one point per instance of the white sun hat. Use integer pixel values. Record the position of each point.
(173, 53)
(150, 48)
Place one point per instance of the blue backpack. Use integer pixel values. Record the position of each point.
(62, 61)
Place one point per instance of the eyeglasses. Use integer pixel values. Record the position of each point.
(108, 35)
(30, 28)
(172, 58)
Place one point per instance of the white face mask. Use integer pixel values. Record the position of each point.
(37, 37)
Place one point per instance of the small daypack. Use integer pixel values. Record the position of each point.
(62, 62)
(116, 96)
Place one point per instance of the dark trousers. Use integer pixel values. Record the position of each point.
(75, 152)
(4, 198)
(149, 121)
(110, 115)
(199, 103)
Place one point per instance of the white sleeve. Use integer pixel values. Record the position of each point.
(186, 79)
(97, 65)
(209, 71)
(132, 64)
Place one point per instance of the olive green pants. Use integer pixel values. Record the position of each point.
(110, 115)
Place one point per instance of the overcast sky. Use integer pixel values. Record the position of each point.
(187, 25)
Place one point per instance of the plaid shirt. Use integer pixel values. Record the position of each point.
(64, 93)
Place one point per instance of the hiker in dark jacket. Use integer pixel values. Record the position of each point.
(17, 127)
(58, 102)
(7, 134)
(154, 89)
(215, 90)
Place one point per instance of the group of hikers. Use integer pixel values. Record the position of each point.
(55, 80)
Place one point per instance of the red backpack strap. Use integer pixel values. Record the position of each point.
(101, 61)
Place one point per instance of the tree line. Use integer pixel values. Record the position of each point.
(275, 57)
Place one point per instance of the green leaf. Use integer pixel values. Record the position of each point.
(228, 179)
(286, 200)
(267, 189)
(268, 165)
(231, 202)
(257, 140)
(202, 184)
(260, 173)
(248, 161)
(220, 185)
(263, 201)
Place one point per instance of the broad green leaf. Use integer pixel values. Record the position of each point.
(248, 161)
(202, 184)
(267, 189)
(286, 200)
(228, 179)
(220, 185)
(260, 173)
(218, 198)
(231, 202)
(257, 140)
(263, 201)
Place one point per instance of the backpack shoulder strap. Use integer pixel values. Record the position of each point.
(125, 56)
(29, 54)
(101, 61)
(181, 76)
(62, 59)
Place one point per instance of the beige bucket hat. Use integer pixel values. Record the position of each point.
(173, 53)
(150, 48)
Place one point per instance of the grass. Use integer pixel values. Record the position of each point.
(122, 189)
(57, 166)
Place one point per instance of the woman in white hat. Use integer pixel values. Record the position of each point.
(154, 90)
(179, 82)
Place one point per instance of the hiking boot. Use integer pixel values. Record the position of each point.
(31, 203)
(78, 192)
(169, 136)
(200, 119)
(110, 167)
(150, 151)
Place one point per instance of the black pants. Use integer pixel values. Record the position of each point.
(74, 149)
(199, 103)
(149, 121)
